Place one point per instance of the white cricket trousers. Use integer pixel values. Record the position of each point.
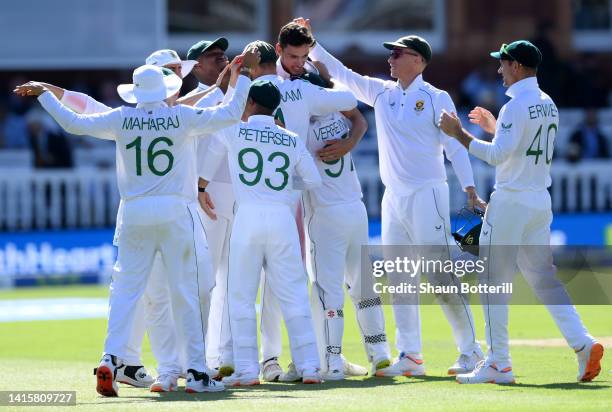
(219, 337)
(515, 236)
(183, 248)
(420, 219)
(154, 313)
(265, 236)
(336, 235)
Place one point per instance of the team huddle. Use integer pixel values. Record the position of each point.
(247, 184)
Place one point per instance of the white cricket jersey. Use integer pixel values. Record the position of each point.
(410, 143)
(155, 146)
(263, 160)
(340, 183)
(522, 149)
(301, 99)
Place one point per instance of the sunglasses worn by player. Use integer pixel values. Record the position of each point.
(397, 53)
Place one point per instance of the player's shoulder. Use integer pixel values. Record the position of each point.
(433, 91)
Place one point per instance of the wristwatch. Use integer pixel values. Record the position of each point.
(201, 189)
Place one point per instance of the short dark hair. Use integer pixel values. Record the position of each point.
(293, 34)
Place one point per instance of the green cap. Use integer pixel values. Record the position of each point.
(266, 51)
(200, 47)
(523, 51)
(265, 93)
(416, 43)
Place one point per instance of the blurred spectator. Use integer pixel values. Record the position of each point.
(587, 141)
(484, 87)
(50, 148)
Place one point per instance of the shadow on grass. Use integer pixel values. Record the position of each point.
(291, 391)
(580, 386)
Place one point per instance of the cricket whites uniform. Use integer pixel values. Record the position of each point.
(415, 206)
(299, 101)
(263, 160)
(218, 338)
(337, 227)
(156, 173)
(516, 228)
(154, 310)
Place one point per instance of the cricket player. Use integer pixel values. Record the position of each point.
(219, 215)
(516, 228)
(337, 228)
(154, 308)
(299, 101)
(263, 160)
(415, 206)
(292, 48)
(158, 212)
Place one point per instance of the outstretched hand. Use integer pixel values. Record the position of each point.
(303, 22)
(30, 89)
(483, 118)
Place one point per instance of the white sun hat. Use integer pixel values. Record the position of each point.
(163, 57)
(151, 84)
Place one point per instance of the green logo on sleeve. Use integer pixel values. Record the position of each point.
(506, 126)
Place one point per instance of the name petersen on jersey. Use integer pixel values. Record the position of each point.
(267, 136)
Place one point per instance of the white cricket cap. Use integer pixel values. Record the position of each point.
(151, 84)
(163, 57)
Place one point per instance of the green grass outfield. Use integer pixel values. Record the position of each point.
(60, 355)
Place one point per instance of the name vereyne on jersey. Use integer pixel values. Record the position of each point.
(267, 136)
(151, 123)
(331, 130)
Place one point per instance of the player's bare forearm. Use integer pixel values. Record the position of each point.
(194, 98)
(465, 138)
(57, 91)
(359, 125)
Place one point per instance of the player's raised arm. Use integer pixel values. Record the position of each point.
(211, 119)
(99, 125)
(365, 88)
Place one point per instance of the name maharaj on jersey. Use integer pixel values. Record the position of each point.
(151, 123)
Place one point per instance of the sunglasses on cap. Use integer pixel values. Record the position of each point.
(504, 51)
(397, 53)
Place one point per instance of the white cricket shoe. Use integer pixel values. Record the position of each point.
(333, 375)
(134, 375)
(241, 379)
(201, 382)
(589, 361)
(486, 372)
(311, 376)
(271, 370)
(465, 363)
(352, 369)
(291, 375)
(406, 365)
(165, 383)
(105, 376)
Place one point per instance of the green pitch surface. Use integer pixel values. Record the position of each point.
(60, 355)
